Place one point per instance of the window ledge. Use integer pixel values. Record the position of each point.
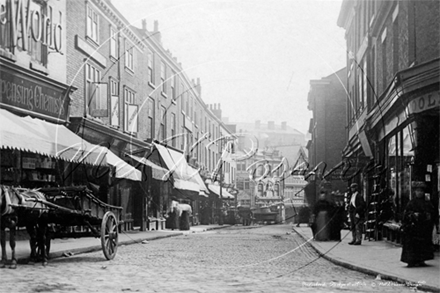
(129, 70)
(38, 67)
(92, 41)
(164, 94)
(151, 85)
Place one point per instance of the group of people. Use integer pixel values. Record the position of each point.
(418, 222)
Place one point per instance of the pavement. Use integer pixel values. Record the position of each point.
(377, 258)
(72, 246)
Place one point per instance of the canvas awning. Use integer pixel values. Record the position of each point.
(53, 140)
(216, 189)
(123, 169)
(158, 172)
(185, 177)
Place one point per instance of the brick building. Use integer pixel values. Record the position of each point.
(132, 94)
(327, 100)
(393, 66)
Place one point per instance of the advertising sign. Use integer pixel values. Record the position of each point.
(23, 91)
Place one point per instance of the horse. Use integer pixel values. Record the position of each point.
(20, 207)
(179, 208)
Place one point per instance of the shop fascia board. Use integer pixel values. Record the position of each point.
(404, 83)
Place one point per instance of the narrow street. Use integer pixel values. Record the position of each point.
(236, 259)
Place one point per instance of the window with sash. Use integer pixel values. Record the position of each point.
(173, 129)
(130, 111)
(129, 55)
(163, 77)
(163, 123)
(114, 103)
(150, 67)
(113, 42)
(151, 118)
(92, 24)
(96, 92)
(173, 85)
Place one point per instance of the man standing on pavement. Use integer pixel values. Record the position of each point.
(356, 209)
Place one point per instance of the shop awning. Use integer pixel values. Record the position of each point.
(123, 169)
(158, 172)
(53, 140)
(185, 177)
(216, 189)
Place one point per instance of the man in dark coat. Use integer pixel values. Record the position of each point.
(356, 209)
(418, 222)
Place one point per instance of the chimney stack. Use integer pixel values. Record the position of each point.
(257, 124)
(283, 125)
(270, 125)
(144, 24)
(199, 87)
(156, 31)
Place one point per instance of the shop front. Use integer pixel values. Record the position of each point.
(127, 187)
(37, 150)
(187, 187)
(406, 128)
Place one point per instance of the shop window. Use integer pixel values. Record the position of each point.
(92, 24)
(96, 92)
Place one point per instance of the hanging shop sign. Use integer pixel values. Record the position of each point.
(424, 102)
(19, 90)
(26, 22)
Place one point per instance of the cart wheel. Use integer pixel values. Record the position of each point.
(109, 235)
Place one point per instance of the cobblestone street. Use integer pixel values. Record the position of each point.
(236, 259)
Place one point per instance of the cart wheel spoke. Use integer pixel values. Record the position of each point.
(109, 235)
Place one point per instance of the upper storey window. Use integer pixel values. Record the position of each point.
(92, 24)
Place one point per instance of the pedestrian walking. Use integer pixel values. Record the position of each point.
(356, 209)
(322, 212)
(418, 222)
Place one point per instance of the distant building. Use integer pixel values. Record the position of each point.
(327, 100)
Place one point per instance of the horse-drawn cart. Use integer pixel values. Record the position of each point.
(72, 212)
(73, 207)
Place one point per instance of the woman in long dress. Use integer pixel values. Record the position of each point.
(417, 226)
(322, 214)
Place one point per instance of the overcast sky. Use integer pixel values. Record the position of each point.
(256, 58)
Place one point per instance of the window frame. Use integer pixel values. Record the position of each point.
(93, 76)
(113, 42)
(129, 100)
(150, 115)
(163, 77)
(92, 24)
(150, 64)
(129, 55)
